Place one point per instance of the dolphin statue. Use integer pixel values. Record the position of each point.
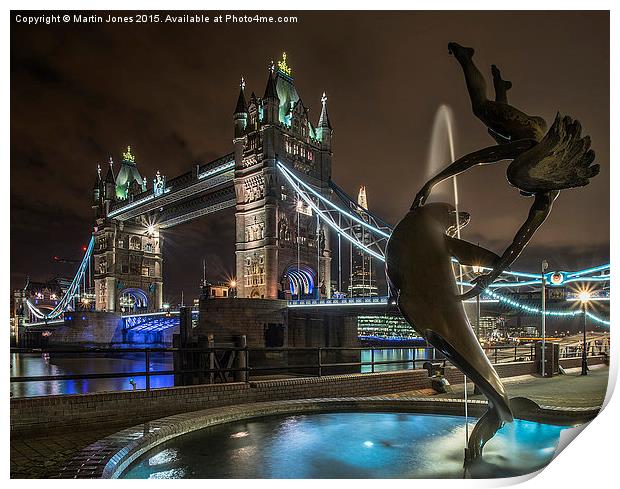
(421, 280)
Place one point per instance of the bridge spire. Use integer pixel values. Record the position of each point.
(271, 101)
(324, 127)
(283, 66)
(324, 118)
(241, 107)
(270, 89)
(97, 178)
(109, 178)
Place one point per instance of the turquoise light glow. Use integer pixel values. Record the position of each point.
(348, 445)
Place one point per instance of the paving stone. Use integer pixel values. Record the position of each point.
(83, 454)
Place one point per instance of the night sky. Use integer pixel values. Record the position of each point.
(80, 93)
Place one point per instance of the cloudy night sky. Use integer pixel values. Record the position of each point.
(82, 93)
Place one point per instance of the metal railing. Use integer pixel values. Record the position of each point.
(510, 353)
(241, 364)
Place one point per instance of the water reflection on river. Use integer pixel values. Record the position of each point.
(31, 365)
(404, 357)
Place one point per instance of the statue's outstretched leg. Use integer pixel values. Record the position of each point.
(501, 86)
(506, 123)
(501, 97)
(476, 85)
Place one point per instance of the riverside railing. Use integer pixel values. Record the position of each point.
(241, 364)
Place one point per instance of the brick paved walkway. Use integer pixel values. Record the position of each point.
(41, 456)
(570, 390)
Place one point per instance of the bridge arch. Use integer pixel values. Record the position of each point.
(133, 299)
(301, 281)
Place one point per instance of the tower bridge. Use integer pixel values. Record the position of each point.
(291, 222)
(279, 247)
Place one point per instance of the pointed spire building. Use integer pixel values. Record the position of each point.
(324, 128)
(240, 116)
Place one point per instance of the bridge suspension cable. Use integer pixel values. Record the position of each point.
(330, 211)
(334, 215)
(71, 291)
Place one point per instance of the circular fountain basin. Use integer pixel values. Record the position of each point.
(346, 445)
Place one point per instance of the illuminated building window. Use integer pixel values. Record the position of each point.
(135, 243)
(145, 271)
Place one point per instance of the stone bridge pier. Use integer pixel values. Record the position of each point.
(270, 324)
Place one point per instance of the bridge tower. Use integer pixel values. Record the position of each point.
(282, 249)
(127, 257)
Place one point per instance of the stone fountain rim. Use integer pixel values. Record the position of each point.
(111, 456)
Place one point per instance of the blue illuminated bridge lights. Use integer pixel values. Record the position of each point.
(153, 322)
(71, 291)
(332, 215)
(552, 279)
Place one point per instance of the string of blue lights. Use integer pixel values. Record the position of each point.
(536, 310)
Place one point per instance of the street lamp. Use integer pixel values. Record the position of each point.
(584, 297)
(543, 268)
(477, 269)
(233, 286)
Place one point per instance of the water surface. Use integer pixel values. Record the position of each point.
(31, 364)
(347, 445)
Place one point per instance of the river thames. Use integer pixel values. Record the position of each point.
(45, 364)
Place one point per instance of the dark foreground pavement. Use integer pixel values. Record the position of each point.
(39, 456)
(569, 390)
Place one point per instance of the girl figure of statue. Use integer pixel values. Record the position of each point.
(543, 162)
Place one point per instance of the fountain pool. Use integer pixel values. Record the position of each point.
(346, 445)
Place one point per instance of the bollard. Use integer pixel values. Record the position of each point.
(241, 375)
(185, 325)
(147, 370)
(211, 345)
(372, 360)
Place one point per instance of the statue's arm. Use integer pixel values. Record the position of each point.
(492, 154)
(543, 202)
(470, 254)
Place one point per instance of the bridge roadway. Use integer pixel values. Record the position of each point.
(206, 189)
(161, 320)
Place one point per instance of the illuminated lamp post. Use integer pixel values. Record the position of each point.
(233, 287)
(477, 269)
(543, 268)
(584, 297)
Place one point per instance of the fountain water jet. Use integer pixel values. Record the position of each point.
(442, 132)
(441, 150)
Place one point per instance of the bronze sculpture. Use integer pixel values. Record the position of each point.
(542, 164)
(427, 297)
(419, 251)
